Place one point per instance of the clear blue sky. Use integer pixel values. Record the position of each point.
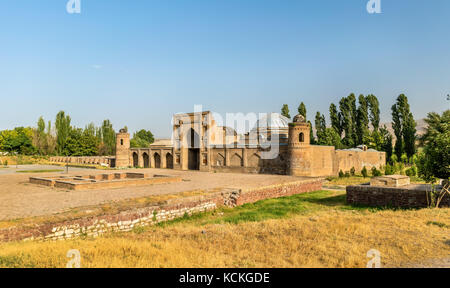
(138, 62)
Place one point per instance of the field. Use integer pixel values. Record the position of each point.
(310, 230)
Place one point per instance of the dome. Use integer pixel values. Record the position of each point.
(272, 121)
(299, 119)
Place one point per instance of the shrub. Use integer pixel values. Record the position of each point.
(352, 171)
(6, 163)
(375, 172)
(364, 172)
(388, 170)
(347, 174)
(411, 171)
(341, 174)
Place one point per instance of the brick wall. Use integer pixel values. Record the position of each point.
(402, 197)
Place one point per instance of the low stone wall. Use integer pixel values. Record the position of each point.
(411, 196)
(139, 217)
(94, 160)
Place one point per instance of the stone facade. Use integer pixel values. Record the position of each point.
(283, 148)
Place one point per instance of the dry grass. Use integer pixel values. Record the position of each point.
(324, 232)
(358, 179)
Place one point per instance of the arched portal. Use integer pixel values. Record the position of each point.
(157, 158)
(169, 161)
(146, 159)
(194, 150)
(135, 159)
(301, 137)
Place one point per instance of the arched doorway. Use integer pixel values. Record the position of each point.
(194, 150)
(157, 160)
(169, 161)
(146, 159)
(135, 160)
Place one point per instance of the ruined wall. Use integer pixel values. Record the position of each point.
(94, 160)
(346, 159)
(413, 196)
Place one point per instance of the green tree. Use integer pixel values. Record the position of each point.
(335, 119)
(142, 139)
(321, 126)
(347, 106)
(374, 107)
(434, 162)
(362, 121)
(330, 138)
(63, 128)
(302, 110)
(404, 127)
(285, 111)
(19, 140)
(108, 137)
(386, 145)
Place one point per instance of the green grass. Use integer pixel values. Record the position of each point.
(40, 171)
(279, 208)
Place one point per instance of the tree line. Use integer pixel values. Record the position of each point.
(356, 122)
(64, 139)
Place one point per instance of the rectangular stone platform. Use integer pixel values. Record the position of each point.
(103, 181)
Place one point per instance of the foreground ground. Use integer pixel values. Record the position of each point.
(311, 230)
(20, 199)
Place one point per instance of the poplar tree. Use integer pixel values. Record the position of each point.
(285, 111)
(62, 124)
(335, 119)
(362, 121)
(302, 109)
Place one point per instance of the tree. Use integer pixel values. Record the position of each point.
(108, 137)
(362, 121)
(404, 127)
(141, 139)
(81, 143)
(285, 111)
(321, 126)
(386, 145)
(63, 127)
(434, 162)
(374, 107)
(346, 105)
(312, 140)
(330, 138)
(302, 110)
(19, 140)
(397, 126)
(335, 119)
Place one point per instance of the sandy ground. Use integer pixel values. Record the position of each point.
(19, 198)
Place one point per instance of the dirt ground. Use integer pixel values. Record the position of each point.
(20, 199)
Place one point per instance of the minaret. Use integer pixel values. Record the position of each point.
(123, 149)
(299, 147)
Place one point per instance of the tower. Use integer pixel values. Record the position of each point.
(122, 149)
(299, 147)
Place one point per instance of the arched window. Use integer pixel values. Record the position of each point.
(301, 137)
(121, 142)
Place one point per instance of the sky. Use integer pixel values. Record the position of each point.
(139, 62)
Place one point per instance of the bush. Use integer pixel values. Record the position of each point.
(388, 170)
(352, 171)
(341, 174)
(347, 174)
(411, 171)
(6, 163)
(364, 172)
(375, 172)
